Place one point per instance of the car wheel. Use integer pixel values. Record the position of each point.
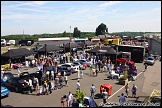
(16, 89)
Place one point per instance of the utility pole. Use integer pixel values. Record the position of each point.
(23, 34)
(70, 41)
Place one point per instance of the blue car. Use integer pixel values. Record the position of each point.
(4, 91)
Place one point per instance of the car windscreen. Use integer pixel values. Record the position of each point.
(150, 59)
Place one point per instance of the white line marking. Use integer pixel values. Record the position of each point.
(122, 87)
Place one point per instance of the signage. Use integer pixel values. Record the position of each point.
(102, 50)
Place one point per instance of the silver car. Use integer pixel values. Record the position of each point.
(150, 61)
(89, 63)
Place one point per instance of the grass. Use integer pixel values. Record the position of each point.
(5, 49)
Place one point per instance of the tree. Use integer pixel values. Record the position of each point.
(101, 29)
(76, 32)
(80, 95)
(64, 34)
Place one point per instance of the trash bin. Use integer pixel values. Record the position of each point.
(108, 88)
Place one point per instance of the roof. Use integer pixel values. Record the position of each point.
(71, 45)
(55, 39)
(17, 52)
(49, 48)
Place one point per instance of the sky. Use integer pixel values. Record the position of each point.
(38, 17)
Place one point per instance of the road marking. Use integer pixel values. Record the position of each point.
(123, 86)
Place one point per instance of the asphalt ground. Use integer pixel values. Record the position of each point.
(146, 83)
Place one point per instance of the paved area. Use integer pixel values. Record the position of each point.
(143, 82)
(146, 82)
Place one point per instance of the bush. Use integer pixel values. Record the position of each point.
(80, 95)
(125, 75)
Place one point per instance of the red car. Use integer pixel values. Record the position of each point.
(15, 66)
(123, 60)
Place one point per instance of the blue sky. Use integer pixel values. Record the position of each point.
(38, 17)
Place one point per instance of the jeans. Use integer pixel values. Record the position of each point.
(92, 95)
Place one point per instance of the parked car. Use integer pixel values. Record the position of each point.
(4, 91)
(68, 67)
(80, 65)
(75, 67)
(89, 63)
(24, 75)
(64, 69)
(150, 61)
(7, 76)
(15, 84)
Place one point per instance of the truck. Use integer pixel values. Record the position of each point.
(26, 42)
(137, 52)
(3, 42)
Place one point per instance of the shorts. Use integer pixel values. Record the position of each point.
(127, 91)
(134, 92)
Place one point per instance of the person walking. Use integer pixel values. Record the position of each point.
(52, 75)
(122, 99)
(49, 86)
(145, 66)
(134, 89)
(96, 72)
(81, 74)
(90, 69)
(31, 86)
(127, 89)
(78, 85)
(105, 96)
(92, 90)
(63, 99)
(66, 80)
(78, 73)
(69, 97)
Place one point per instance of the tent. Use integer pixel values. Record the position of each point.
(17, 53)
(103, 49)
(49, 48)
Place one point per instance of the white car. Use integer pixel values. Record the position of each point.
(80, 65)
(75, 67)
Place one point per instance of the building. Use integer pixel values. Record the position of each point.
(54, 41)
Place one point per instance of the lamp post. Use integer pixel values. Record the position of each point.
(45, 50)
(37, 50)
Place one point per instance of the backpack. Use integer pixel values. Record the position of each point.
(92, 89)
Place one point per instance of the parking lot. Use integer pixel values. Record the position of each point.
(53, 100)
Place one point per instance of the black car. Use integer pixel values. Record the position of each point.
(24, 75)
(17, 85)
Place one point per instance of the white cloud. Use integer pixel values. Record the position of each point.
(109, 3)
(39, 2)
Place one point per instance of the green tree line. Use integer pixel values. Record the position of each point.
(100, 30)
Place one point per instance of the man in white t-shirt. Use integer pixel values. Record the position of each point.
(69, 99)
(78, 85)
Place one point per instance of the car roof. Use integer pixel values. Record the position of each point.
(67, 64)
